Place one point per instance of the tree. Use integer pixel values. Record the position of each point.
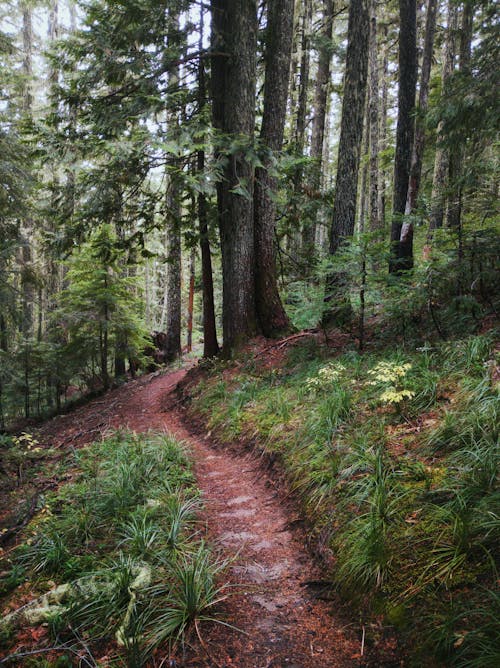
(172, 348)
(98, 308)
(322, 87)
(441, 159)
(373, 122)
(210, 343)
(270, 312)
(423, 103)
(351, 135)
(234, 41)
(402, 234)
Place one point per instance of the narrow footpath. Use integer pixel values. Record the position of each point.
(281, 624)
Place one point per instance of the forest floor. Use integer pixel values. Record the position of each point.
(279, 619)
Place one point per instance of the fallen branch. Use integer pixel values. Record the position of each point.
(283, 342)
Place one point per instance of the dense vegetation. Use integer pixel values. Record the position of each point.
(181, 177)
(394, 457)
(121, 550)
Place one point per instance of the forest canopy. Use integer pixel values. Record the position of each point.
(210, 173)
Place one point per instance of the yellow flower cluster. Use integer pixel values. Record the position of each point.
(327, 375)
(392, 375)
(389, 372)
(26, 442)
(393, 396)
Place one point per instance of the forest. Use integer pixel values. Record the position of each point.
(249, 358)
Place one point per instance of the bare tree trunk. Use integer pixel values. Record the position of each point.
(322, 86)
(365, 155)
(172, 347)
(382, 182)
(441, 159)
(373, 121)
(270, 312)
(301, 117)
(423, 103)
(402, 234)
(234, 41)
(210, 343)
(192, 266)
(351, 135)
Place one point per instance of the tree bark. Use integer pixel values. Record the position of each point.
(423, 103)
(402, 234)
(319, 119)
(351, 128)
(373, 122)
(351, 136)
(210, 343)
(270, 312)
(382, 179)
(441, 159)
(301, 119)
(172, 348)
(234, 40)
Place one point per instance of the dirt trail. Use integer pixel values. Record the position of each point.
(283, 625)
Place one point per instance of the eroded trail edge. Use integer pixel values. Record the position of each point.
(279, 622)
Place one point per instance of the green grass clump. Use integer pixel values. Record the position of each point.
(124, 538)
(394, 455)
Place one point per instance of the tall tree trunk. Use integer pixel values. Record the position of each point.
(210, 343)
(192, 267)
(172, 347)
(234, 41)
(423, 103)
(319, 119)
(457, 153)
(402, 234)
(26, 255)
(382, 180)
(441, 159)
(373, 121)
(365, 172)
(270, 312)
(305, 59)
(351, 135)
(301, 118)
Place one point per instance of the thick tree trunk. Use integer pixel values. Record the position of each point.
(301, 120)
(210, 343)
(234, 40)
(300, 127)
(423, 103)
(373, 121)
(351, 135)
(319, 119)
(270, 312)
(402, 234)
(382, 179)
(26, 254)
(172, 348)
(351, 128)
(441, 159)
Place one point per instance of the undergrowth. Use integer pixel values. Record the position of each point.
(119, 552)
(394, 455)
